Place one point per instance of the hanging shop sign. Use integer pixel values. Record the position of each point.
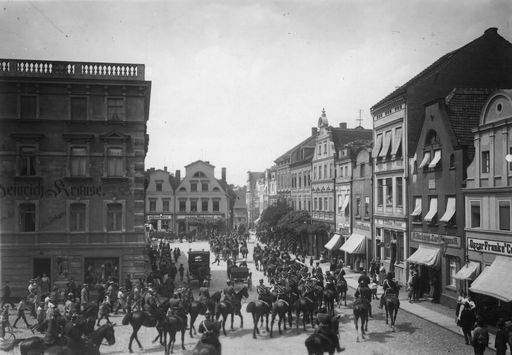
(431, 238)
(490, 246)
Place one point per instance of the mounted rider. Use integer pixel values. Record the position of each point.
(151, 302)
(324, 321)
(73, 331)
(229, 292)
(264, 293)
(210, 330)
(390, 287)
(204, 292)
(364, 293)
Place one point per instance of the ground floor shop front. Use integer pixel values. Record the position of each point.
(390, 245)
(90, 264)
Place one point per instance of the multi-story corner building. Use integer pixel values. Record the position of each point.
(283, 177)
(329, 141)
(488, 200)
(436, 223)
(253, 196)
(202, 201)
(300, 170)
(160, 201)
(485, 62)
(74, 141)
(355, 243)
(240, 208)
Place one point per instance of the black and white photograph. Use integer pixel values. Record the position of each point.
(246, 177)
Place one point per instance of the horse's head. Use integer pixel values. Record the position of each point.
(243, 292)
(106, 331)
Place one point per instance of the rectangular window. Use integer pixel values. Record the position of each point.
(399, 193)
(28, 107)
(331, 172)
(152, 205)
(319, 172)
(325, 148)
(77, 217)
(510, 164)
(78, 161)
(115, 109)
(115, 161)
(486, 161)
(183, 205)
(320, 204)
(78, 108)
(27, 212)
(193, 205)
(193, 187)
(316, 203)
(358, 207)
(380, 192)
(204, 205)
(361, 171)
(114, 217)
(325, 171)
(204, 187)
(331, 204)
(452, 270)
(326, 204)
(158, 186)
(165, 205)
(309, 205)
(504, 215)
(389, 192)
(216, 205)
(28, 161)
(387, 244)
(366, 206)
(319, 149)
(475, 214)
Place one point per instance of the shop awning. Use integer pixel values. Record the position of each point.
(468, 271)
(377, 146)
(397, 141)
(425, 255)
(345, 203)
(417, 207)
(432, 210)
(450, 210)
(495, 280)
(334, 243)
(436, 160)
(385, 145)
(355, 244)
(426, 159)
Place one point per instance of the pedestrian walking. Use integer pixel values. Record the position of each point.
(84, 296)
(181, 270)
(6, 295)
(4, 320)
(466, 321)
(480, 337)
(382, 274)
(20, 309)
(500, 343)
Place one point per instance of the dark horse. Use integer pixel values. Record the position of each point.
(244, 251)
(361, 309)
(197, 308)
(140, 318)
(392, 304)
(259, 309)
(281, 307)
(306, 306)
(90, 347)
(341, 290)
(226, 307)
(172, 324)
(319, 343)
(209, 344)
(329, 296)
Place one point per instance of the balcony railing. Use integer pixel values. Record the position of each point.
(70, 70)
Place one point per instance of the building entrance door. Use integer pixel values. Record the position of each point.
(42, 266)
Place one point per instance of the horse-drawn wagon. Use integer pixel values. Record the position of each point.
(199, 266)
(239, 274)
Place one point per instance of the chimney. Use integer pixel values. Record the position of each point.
(314, 131)
(165, 168)
(224, 174)
(178, 175)
(491, 30)
(343, 125)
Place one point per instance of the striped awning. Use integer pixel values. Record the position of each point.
(334, 243)
(495, 280)
(355, 244)
(425, 256)
(468, 271)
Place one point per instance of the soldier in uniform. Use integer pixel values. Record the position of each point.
(365, 293)
(204, 293)
(229, 292)
(210, 330)
(264, 293)
(324, 321)
(73, 332)
(390, 287)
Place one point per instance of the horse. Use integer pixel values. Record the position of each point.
(281, 307)
(258, 309)
(341, 290)
(318, 343)
(257, 259)
(209, 344)
(244, 251)
(233, 307)
(392, 304)
(306, 306)
(140, 318)
(171, 325)
(329, 295)
(196, 308)
(360, 311)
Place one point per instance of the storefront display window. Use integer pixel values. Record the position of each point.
(452, 270)
(100, 270)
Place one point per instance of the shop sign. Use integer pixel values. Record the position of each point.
(490, 246)
(362, 226)
(158, 216)
(449, 240)
(58, 188)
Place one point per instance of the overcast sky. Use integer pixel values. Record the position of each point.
(240, 82)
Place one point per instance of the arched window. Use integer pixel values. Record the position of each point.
(216, 189)
(200, 174)
(182, 189)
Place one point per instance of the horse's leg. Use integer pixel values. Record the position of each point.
(193, 317)
(232, 318)
(241, 319)
(284, 320)
(273, 318)
(137, 338)
(279, 324)
(266, 320)
(386, 309)
(356, 321)
(254, 323)
(224, 318)
(183, 330)
(132, 336)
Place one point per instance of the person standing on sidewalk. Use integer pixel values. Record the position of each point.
(466, 321)
(500, 343)
(181, 270)
(480, 337)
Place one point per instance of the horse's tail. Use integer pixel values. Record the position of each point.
(9, 345)
(127, 318)
(251, 307)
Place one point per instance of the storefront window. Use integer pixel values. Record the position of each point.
(504, 215)
(101, 270)
(452, 270)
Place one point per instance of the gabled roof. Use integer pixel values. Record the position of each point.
(343, 136)
(439, 64)
(200, 161)
(308, 142)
